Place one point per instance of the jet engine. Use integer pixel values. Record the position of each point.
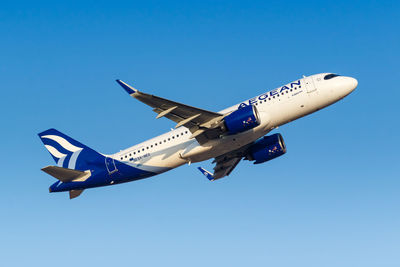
(241, 120)
(267, 148)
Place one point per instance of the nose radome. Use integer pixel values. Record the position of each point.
(352, 83)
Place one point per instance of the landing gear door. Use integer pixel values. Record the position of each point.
(310, 86)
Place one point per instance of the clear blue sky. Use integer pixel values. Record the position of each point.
(332, 200)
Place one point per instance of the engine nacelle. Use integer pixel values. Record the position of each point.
(267, 148)
(241, 120)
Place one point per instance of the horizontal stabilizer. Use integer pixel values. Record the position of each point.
(66, 175)
(74, 193)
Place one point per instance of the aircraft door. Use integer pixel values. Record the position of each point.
(110, 165)
(310, 86)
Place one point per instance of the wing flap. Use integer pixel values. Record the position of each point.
(226, 163)
(223, 169)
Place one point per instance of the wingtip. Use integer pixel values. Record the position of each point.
(129, 89)
(206, 173)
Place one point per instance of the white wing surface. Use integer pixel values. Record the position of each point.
(201, 123)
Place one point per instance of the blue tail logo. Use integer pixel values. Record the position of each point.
(66, 151)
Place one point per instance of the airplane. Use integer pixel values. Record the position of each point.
(230, 135)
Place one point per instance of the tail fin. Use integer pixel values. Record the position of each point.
(69, 153)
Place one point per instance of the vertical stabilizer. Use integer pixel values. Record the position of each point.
(67, 152)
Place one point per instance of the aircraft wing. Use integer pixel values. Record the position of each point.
(225, 164)
(199, 121)
(222, 168)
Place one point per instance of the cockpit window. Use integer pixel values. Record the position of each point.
(330, 76)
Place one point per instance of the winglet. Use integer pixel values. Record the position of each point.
(129, 89)
(206, 173)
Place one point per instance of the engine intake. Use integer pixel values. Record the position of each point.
(267, 148)
(241, 120)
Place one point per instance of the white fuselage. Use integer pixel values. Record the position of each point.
(275, 108)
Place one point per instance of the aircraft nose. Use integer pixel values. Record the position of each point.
(352, 83)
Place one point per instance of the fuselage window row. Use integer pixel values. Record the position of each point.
(155, 144)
